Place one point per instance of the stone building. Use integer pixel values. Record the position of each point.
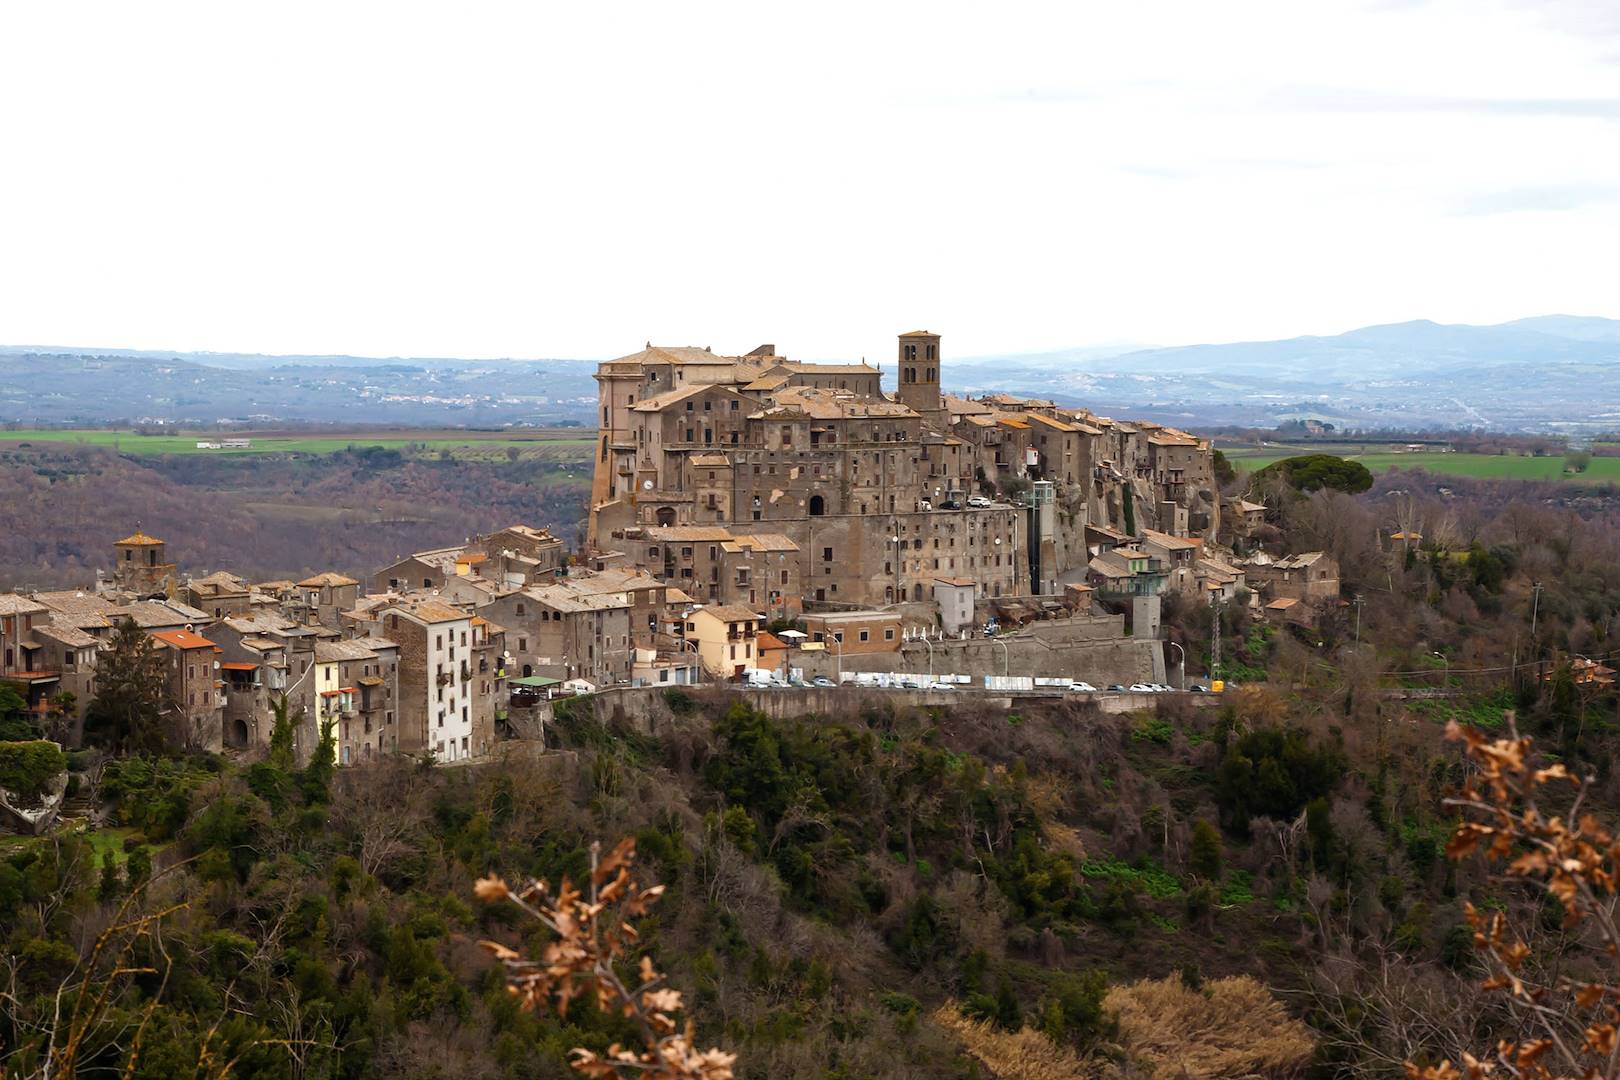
(515, 556)
(22, 659)
(195, 690)
(324, 596)
(220, 594)
(712, 564)
(1311, 576)
(725, 638)
(562, 631)
(849, 633)
(879, 494)
(357, 681)
(142, 567)
(436, 662)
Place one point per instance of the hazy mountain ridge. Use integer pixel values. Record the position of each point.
(1410, 374)
(1398, 375)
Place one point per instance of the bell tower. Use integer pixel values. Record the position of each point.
(919, 372)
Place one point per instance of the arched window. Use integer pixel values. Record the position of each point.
(528, 670)
(916, 591)
(666, 515)
(818, 506)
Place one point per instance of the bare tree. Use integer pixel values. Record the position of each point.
(1565, 1002)
(593, 933)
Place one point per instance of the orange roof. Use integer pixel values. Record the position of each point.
(183, 639)
(140, 538)
(233, 666)
(768, 640)
(472, 558)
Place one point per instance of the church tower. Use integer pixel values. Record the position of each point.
(142, 567)
(919, 373)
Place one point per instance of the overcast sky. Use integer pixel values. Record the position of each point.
(574, 179)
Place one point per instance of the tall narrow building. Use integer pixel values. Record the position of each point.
(919, 374)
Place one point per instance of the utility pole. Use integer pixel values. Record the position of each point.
(1358, 600)
(1535, 607)
(1215, 639)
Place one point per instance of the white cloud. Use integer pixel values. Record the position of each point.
(572, 180)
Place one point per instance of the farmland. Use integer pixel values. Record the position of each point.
(1477, 466)
(553, 445)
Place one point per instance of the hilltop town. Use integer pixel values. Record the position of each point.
(752, 519)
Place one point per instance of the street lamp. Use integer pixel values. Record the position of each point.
(1183, 653)
(930, 645)
(1005, 659)
(1446, 662)
(839, 653)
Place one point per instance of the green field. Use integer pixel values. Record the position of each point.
(540, 444)
(1488, 466)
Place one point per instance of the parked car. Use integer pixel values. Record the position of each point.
(1161, 688)
(1083, 688)
(823, 682)
(1116, 688)
(978, 502)
(1198, 688)
(950, 504)
(1142, 688)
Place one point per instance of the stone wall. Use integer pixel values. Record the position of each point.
(646, 709)
(1069, 653)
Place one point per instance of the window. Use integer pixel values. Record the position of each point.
(888, 633)
(827, 554)
(865, 636)
(818, 506)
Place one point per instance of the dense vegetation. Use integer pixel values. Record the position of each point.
(267, 515)
(885, 892)
(1313, 472)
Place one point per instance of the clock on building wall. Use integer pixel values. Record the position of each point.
(646, 485)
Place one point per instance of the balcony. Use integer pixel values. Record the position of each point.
(35, 676)
(445, 678)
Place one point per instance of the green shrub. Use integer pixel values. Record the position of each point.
(27, 768)
(1274, 773)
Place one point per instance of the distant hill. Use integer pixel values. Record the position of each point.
(91, 387)
(1550, 373)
